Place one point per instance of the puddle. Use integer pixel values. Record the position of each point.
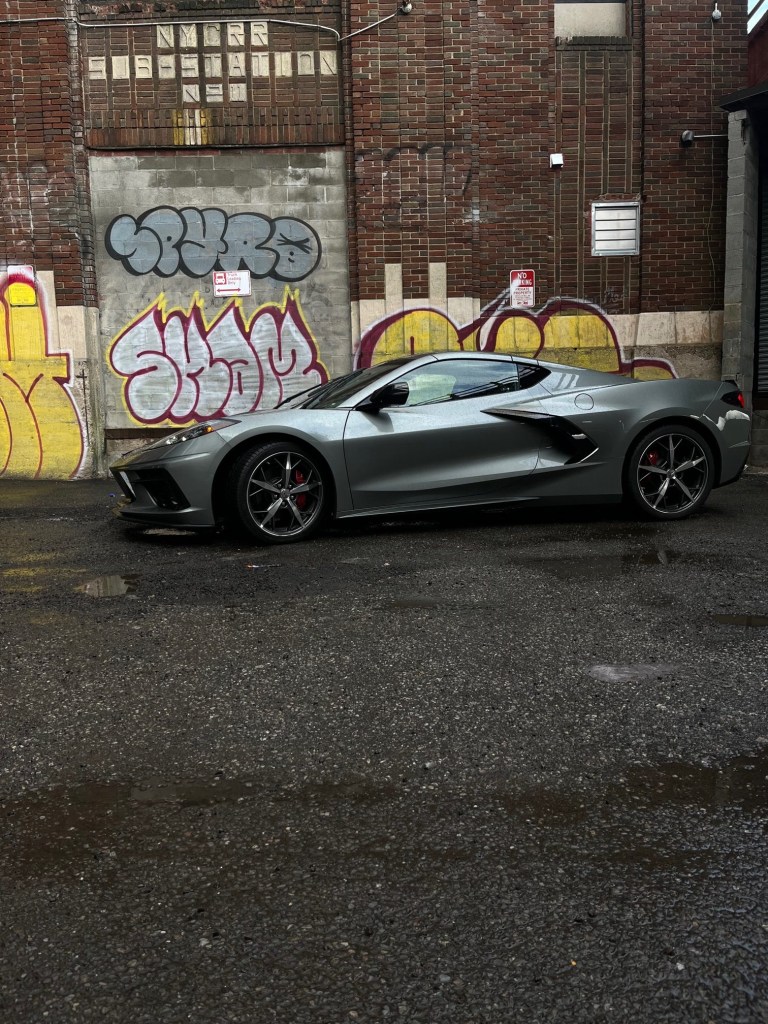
(361, 791)
(192, 794)
(742, 782)
(756, 621)
(600, 566)
(739, 783)
(432, 603)
(405, 603)
(53, 830)
(109, 586)
(50, 830)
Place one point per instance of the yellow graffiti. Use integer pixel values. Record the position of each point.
(422, 331)
(40, 432)
(570, 332)
(583, 339)
(520, 336)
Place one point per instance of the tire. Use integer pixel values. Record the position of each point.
(277, 493)
(670, 472)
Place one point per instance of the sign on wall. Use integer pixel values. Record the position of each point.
(230, 82)
(231, 282)
(522, 289)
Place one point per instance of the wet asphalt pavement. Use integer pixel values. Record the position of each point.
(478, 768)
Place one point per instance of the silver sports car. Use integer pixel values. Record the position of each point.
(442, 431)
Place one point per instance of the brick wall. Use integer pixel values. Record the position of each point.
(192, 75)
(44, 219)
(456, 108)
(691, 62)
(758, 54)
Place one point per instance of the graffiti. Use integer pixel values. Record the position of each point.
(441, 173)
(179, 368)
(166, 241)
(563, 331)
(40, 431)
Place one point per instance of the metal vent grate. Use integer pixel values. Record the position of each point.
(615, 229)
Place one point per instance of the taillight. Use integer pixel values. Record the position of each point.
(734, 398)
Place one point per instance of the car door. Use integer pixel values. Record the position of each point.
(444, 446)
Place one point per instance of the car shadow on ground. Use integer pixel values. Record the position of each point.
(616, 517)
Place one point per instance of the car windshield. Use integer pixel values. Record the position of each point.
(337, 391)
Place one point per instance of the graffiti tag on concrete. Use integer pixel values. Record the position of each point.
(166, 241)
(563, 331)
(40, 431)
(179, 368)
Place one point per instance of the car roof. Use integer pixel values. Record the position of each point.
(454, 354)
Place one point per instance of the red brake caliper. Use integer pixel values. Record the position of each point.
(301, 499)
(653, 458)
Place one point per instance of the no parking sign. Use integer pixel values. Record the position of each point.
(522, 288)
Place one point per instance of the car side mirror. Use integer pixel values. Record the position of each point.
(385, 398)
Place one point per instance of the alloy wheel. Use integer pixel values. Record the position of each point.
(673, 473)
(284, 494)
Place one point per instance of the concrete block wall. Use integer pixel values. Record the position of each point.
(173, 351)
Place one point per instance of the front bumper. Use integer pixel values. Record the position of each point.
(160, 490)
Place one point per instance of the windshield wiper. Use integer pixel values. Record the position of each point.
(298, 394)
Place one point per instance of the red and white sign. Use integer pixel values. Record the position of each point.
(231, 282)
(522, 289)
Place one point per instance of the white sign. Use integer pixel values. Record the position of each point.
(231, 282)
(522, 289)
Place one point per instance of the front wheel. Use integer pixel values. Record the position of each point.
(670, 472)
(276, 493)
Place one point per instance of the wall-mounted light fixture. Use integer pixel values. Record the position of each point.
(687, 138)
(716, 13)
(556, 160)
(405, 8)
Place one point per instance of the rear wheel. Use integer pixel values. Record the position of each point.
(670, 472)
(276, 493)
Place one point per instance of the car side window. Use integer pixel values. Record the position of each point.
(452, 379)
(530, 375)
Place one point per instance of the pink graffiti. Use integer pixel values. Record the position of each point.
(484, 333)
(180, 368)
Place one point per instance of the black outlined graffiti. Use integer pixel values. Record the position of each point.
(166, 241)
(436, 172)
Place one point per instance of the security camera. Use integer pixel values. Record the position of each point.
(716, 14)
(406, 7)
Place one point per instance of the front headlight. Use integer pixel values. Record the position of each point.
(190, 433)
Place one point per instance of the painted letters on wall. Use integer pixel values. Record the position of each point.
(40, 431)
(179, 368)
(166, 241)
(564, 331)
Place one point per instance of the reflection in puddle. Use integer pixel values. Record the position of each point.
(415, 602)
(433, 603)
(600, 566)
(49, 831)
(742, 782)
(109, 586)
(742, 620)
(192, 794)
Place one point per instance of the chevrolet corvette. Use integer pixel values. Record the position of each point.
(440, 431)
